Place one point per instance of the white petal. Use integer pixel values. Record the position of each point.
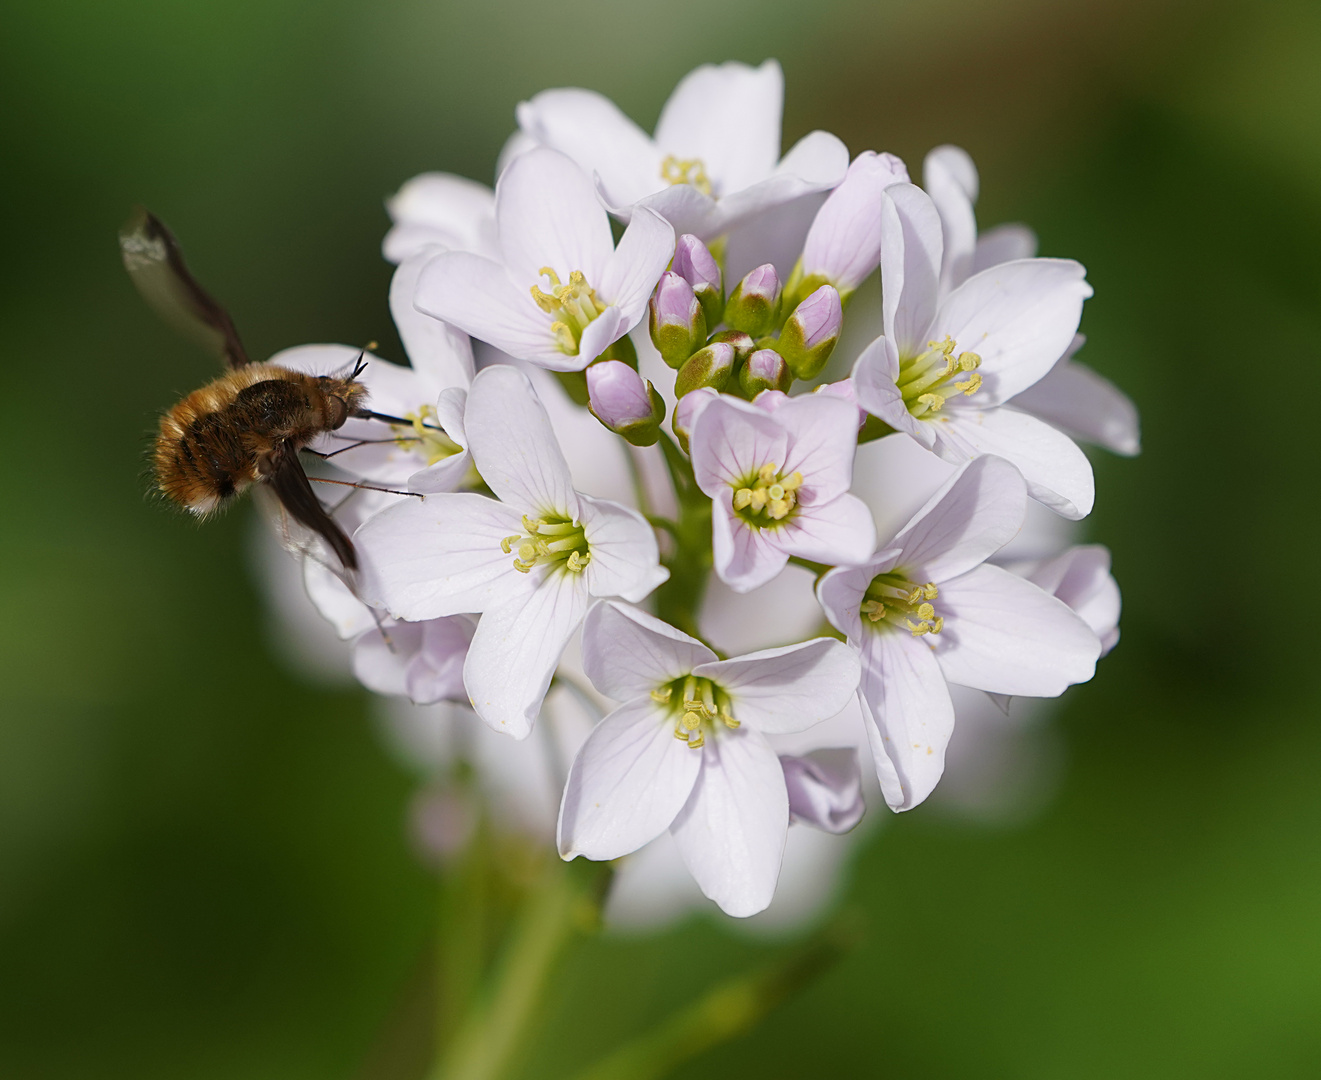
(745, 557)
(514, 653)
(730, 441)
(476, 295)
(840, 531)
(598, 335)
(1019, 317)
(973, 515)
(731, 832)
(682, 205)
(910, 266)
(514, 445)
(628, 783)
(449, 473)
(628, 653)
(441, 209)
(950, 178)
(1078, 401)
(382, 666)
(549, 215)
(816, 163)
(778, 691)
(644, 252)
(728, 117)
(844, 242)
(625, 558)
(825, 789)
(438, 352)
(822, 439)
(840, 592)
(909, 712)
(441, 555)
(1081, 578)
(591, 129)
(1003, 244)
(334, 600)
(1004, 635)
(819, 159)
(1058, 474)
(874, 382)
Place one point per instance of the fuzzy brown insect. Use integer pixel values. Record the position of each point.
(247, 426)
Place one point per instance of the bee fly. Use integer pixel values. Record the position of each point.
(248, 426)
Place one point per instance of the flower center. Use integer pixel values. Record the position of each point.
(425, 435)
(892, 600)
(549, 542)
(927, 379)
(767, 497)
(699, 704)
(685, 171)
(571, 306)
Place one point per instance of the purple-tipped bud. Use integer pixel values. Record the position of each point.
(809, 337)
(711, 367)
(694, 262)
(756, 302)
(765, 370)
(825, 789)
(744, 346)
(677, 321)
(625, 402)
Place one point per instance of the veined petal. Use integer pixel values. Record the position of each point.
(779, 691)
(840, 531)
(950, 178)
(973, 515)
(625, 559)
(687, 209)
(911, 249)
(592, 130)
(476, 295)
(731, 440)
(840, 592)
(909, 713)
(451, 472)
(441, 209)
(1088, 406)
(1081, 578)
(823, 437)
(825, 789)
(516, 648)
(817, 162)
(728, 117)
(1004, 635)
(1058, 474)
(627, 784)
(874, 382)
(844, 242)
(1003, 244)
(439, 353)
(548, 214)
(514, 446)
(424, 558)
(598, 335)
(1019, 317)
(636, 265)
(745, 558)
(628, 653)
(732, 830)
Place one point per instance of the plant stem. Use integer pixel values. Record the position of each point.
(679, 600)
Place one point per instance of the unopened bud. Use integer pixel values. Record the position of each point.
(744, 346)
(809, 337)
(825, 789)
(711, 367)
(625, 402)
(756, 302)
(677, 322)
(686, 412)
(694, 262)
(765, 370)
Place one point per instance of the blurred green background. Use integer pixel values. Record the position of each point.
(203, 869)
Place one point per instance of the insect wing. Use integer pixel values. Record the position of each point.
(156, 265)
(294, 490)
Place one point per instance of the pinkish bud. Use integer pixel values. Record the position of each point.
(765, 370)
(756, 302)
(711, 367)
(809, 337)
(825, 789)
(694, 262)
(677, 322)
(624, 402)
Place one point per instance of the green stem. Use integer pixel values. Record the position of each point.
(679, 600)
(726, 1011)
(462, 937)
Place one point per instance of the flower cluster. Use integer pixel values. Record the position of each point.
(664, 486)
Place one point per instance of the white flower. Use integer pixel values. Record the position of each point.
(530, 562)
(715, 159)
(687, 750)
(945, 366)
(778, 483)
(420, 661)
(559, 292)
(440, 211)
(1080, 576)
(927, 609)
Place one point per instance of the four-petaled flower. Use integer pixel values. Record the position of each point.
(927, 609)
(530, 563)
(686, 751)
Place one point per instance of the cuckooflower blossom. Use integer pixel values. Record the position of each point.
(530, 562)
(560, 292)
(715, 158)
(927, 609)
(779, 484)
(440, 211)
(687, 750)
(420, 661)
(945, 367)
